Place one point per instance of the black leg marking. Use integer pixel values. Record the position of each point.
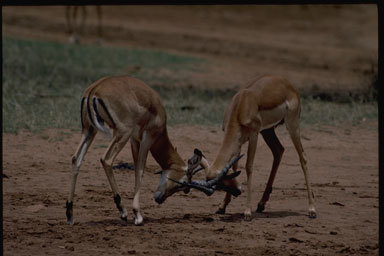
(117, 200)
(220, 211)
(69, 211)
(260, 207)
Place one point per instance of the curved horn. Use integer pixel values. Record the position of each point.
(223, 172)
(197, 170)
(209, 187)
(193, 184)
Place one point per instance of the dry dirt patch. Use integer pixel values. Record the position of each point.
(342, 163)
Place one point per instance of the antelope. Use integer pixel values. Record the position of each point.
(258, 108)
(133, 111)
(75, 29)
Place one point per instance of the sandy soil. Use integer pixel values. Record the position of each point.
(343, 168)
(333, 48)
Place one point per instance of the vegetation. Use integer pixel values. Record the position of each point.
(43, 81)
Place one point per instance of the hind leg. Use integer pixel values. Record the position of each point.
(277, 149)
(292, 124)
(86, 141)
(114, 148)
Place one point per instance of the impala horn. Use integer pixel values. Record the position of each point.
(209, 187)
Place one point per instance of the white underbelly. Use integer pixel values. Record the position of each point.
(271, 117)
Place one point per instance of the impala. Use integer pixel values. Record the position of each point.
(76, 29)
(132, 111)
(258, 108)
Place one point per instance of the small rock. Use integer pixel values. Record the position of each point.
(70, 248)
(295, 240)
(35, 208)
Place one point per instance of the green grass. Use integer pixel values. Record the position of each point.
(330, 113)
(43, 83)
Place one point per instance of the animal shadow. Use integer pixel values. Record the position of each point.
(239, 217)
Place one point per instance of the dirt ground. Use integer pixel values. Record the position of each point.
(333, 48)
(343, 170)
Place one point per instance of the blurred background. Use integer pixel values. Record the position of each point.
(200, 54)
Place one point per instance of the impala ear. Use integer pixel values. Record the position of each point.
(198, 153)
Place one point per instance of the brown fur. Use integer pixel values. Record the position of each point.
(258, 107)
(133, 111)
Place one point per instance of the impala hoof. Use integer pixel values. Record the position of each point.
(312, 215)
(69, 213)
(260, 207)
(247, 217)
(220, 211)
(137, 218)
(71, 221)
(139, 221)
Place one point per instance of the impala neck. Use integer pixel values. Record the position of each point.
(165, 154)
(230, 147)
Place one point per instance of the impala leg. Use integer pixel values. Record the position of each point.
(68, 19)
(223, 205)
(116, 145)
(252, 145)
(99, 24)
(228, 196)
(86, 141)
(145, 145)
(277, 149)
(81, 27)
(294, 131)
(135, 146)
(74, 37)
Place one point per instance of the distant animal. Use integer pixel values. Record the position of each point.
(76, 24)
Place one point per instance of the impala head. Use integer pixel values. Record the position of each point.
(167, 185)
(172, 181)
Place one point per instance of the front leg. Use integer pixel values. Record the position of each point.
(249, 167)
(231, 183)
(145, 145)
(223, 205)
